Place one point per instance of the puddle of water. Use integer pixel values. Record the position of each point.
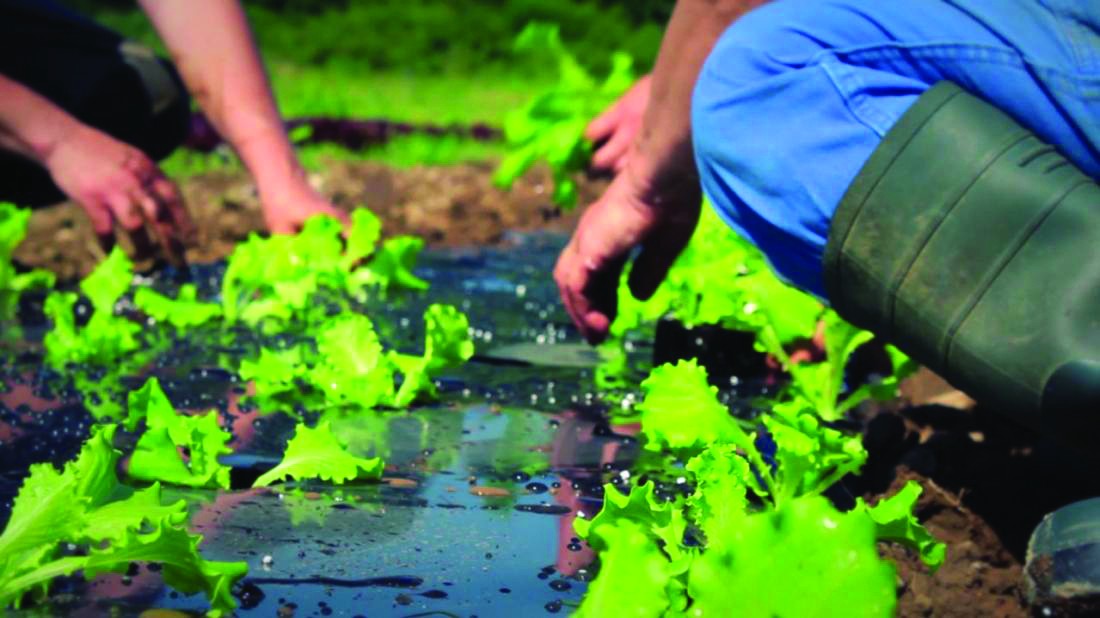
(475, 516)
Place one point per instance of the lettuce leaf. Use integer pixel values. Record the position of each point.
(84, 504)
(316, 454)
(13, 229)
(681, 411)
(550, 127)
(895, 522)
(183, 312)
(640, 539)
(157, 455)
(803, 559)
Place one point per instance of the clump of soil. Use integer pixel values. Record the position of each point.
(447, 206)
(987, 484)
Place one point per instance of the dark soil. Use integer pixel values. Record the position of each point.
(986, 485)
(447, 206)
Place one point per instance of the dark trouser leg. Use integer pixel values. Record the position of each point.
(92, 73)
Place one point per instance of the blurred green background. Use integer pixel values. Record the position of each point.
(419, 60)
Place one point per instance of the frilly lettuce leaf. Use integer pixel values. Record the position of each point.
(183, 312)
(895, 521)
(366, 230)
(84, 504)
(551, 125)
(157, 455)
(109, 281)
(800, 560)
(633, 578)
(392, 266)
(681, 411)
(640, 539)
(316, 454)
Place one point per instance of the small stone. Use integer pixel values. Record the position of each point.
(487, 491)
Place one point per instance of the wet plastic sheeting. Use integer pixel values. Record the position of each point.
(474, 517)
(425, 542)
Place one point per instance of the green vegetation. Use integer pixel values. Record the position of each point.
(316, 454)
(350, 370)
(428, 61)
(157, 455)
(550, 127)
(755, 537)
(86, 506)
(13, 228)
(337, 363)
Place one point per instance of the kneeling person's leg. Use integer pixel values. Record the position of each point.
(950, 225)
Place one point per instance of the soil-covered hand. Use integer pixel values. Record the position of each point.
(617, 126)
(116, 183)
(287, 207)
(629, 214)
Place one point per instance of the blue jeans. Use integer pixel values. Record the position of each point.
(797, 94)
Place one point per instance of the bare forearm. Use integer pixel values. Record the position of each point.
(30, 124)
(663, 148)
(212, 46)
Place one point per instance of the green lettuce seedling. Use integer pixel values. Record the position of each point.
(317, 454)
(721, 278)
(766, 529)
(85, 505)
(106, 337)
(157, 455)
(351, 370)
(276, 280)
(13, 229)
(895, 522)
(802, 559)
(550, 127)
(819, 387)
(183, 312)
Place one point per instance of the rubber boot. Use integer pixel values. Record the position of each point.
(1063, 560)
(975, 247)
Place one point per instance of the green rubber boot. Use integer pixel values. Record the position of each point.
(975, 247)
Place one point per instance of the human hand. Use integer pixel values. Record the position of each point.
(116, 183)
(288, 206)
(617, 126)
(630, 213)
